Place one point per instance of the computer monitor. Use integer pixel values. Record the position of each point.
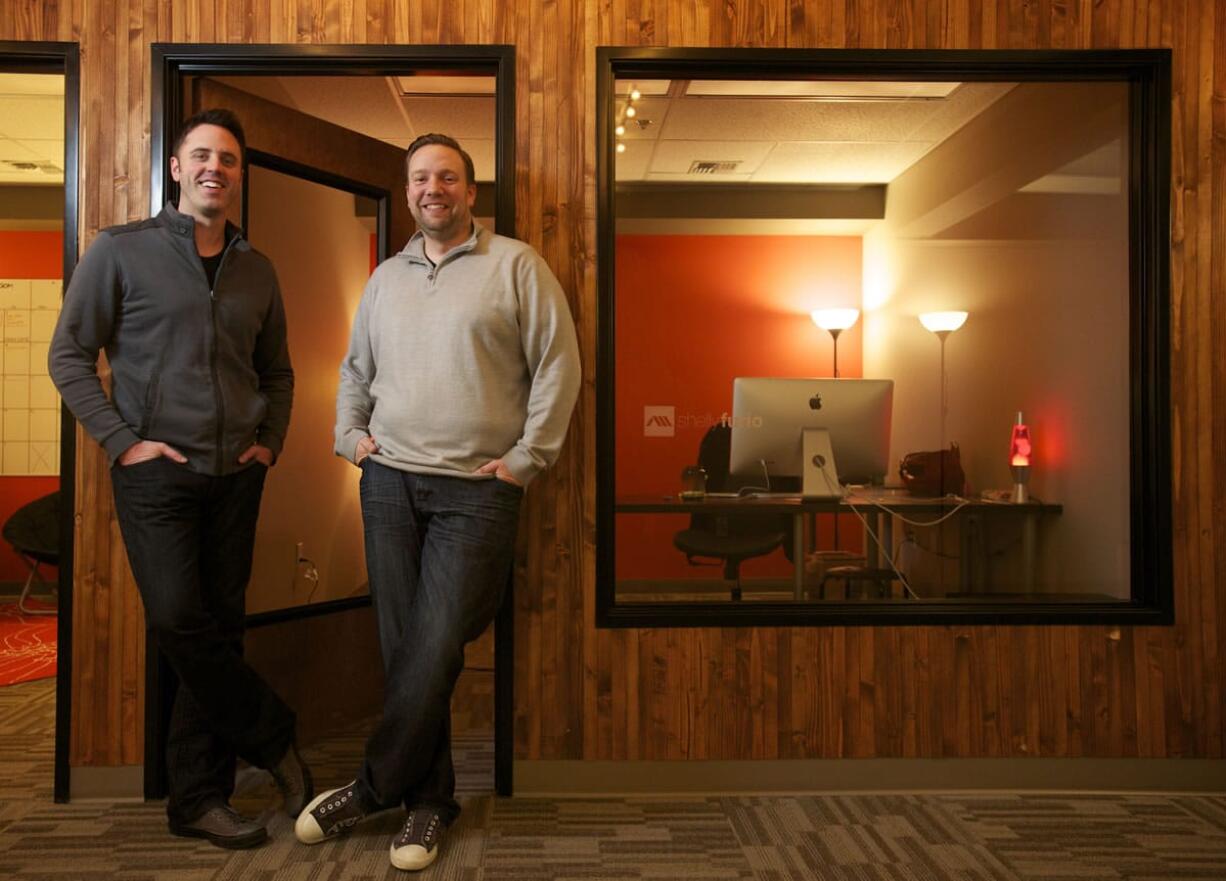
(847, 422)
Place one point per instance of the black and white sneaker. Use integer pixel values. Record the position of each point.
(417, 844)
(330, 813)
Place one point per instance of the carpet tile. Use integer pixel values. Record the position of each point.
(983, 836)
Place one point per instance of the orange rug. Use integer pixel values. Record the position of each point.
(27, 644)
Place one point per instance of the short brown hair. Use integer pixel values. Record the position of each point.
(218, 116)
(442, 141)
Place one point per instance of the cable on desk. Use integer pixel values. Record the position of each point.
(888, 553)
(962, 503)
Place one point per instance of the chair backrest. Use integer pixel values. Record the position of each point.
(714, 453)
(34, 528)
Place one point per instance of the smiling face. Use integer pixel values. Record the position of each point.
(440, 195)
(208, 169)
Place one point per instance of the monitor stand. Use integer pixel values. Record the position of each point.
(819, 477)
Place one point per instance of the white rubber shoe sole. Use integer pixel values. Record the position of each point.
(307, 829)
(412, 857)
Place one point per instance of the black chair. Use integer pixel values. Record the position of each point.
(34, 532)
(732, 538)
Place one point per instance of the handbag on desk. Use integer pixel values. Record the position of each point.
(922, 472)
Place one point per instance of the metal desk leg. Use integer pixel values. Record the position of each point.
(887, 539)
(798, 556)
(1030, 522)
(872, 552)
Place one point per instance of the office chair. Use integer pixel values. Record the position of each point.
(732, 538)
(34, 532)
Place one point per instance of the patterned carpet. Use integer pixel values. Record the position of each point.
(27, 643)
(948, 837)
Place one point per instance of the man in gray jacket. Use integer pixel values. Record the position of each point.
(457, 390)
(190, 317)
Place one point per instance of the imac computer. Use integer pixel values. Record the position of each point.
(827, 432)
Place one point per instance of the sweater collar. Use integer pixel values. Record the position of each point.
(415, 249)
(185, 225)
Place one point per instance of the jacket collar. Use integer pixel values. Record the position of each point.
(415, 249)
(184, 225)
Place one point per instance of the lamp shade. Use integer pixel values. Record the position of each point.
(835, 319)
(939, 322)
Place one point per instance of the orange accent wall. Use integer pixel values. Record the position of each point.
(33, 254)
(693, 313)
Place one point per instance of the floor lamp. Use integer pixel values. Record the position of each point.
(943, 324)
(834, 322)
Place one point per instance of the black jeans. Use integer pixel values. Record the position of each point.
(438, 551)
(190, 539)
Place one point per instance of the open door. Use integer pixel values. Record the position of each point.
(300, 596)
(39, 175)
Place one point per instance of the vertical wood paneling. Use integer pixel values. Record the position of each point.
(720, 693)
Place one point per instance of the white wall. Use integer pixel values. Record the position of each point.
(322, 256)
(1044, 277)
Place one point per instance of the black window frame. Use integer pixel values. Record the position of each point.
(1148, 71)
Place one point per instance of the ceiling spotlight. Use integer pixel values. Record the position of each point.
(631, 113)
(620, 130)
(621, 148)
(635, 94)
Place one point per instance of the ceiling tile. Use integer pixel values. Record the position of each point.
(32, 116)
(699, 178)
(461, 118)
(13, 151)
(648, 121)
(676, 157)
(756, 119)
(447, 85)
(32, 84)
(51, 150)
(841, 162)
(877, 89)
(961, 107)
(632, 165)
(645, 87)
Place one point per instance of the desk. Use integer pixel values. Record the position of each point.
(876, 505)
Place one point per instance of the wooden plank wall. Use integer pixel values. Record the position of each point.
(723, 693)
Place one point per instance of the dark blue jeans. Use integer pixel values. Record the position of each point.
(438, 551)
(190, 539)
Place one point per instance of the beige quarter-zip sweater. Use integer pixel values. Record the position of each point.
(455, 364)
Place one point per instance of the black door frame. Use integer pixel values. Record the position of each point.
(37, 56)
(64, 59)
(172, 62)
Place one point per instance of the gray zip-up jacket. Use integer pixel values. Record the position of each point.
(205, 371)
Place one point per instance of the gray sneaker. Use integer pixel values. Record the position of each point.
(293, 778)
(417, 844)
(223, 826)
(330, 813)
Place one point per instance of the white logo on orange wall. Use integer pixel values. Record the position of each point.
(659, 421)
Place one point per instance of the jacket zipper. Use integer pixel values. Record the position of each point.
(217, 397)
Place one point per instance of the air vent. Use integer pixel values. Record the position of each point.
(42, 165)
(708, 166)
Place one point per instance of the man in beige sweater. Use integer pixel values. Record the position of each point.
(457, 390)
